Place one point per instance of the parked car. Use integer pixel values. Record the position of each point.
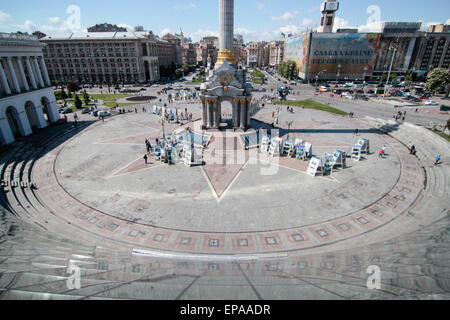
(86, 110)
(67, 110)
(95, 113)
(431, 103)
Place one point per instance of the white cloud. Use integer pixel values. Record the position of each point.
(287, 16)
(164, 32)
(54, 19)
(371, 27)
(308, 23)
(4, 17)
(314, 9)
(127, 26)
(27, 26)
(259, 5)
(200, 33)
(341, 23)
(189, 6)
(447, 22)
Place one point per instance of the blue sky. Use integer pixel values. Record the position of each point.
(254, 19)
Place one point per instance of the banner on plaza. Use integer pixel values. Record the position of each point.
(297, 50)
(346, 55)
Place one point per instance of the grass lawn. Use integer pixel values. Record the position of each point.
(443, 135)
(311, 104)
(109, 97)
(258, 74)
(120, 104)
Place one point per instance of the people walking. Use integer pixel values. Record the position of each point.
(381, 154)
(412, 150)
(356, 133)
(146, 158)
(438, 160)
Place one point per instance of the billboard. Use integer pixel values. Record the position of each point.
(355, 53)
(296, 49)
(252, 58)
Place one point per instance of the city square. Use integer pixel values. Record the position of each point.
(228, 188)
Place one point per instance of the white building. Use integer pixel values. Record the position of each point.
(27, 101)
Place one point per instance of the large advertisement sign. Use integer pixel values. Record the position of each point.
(348, 55)
(296, 49)
(253, 58)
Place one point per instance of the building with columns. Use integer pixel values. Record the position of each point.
(27, 102)
(97, 57)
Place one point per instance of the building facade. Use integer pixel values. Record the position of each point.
(188, 54)
(169, 50)
(399, 38)
(207, 48)
(276, 53)
(102, 57)
(27, 102)
(433, 51)
(258, 54)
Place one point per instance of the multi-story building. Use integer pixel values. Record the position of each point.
(169, 50)
(102, 57)
(207, 48)
(188, 53)
(433, 51)
(27, 101)
(276, 54)
(399, 38)
(257, 54)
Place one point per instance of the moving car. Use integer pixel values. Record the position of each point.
(103, 113)
(431, 103)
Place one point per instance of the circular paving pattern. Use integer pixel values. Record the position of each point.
(98, 181)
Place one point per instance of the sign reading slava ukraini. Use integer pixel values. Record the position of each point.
(355, 53)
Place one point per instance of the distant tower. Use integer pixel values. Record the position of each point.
(328, 9)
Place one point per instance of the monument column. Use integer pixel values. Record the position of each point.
(249, 116)
(210, 114)
(226, 22)
(31, 73)
(22, 74)
(38, 72)
(204, 112)
(12, 72)
(235, 113)
(4, 80)
(243, 114)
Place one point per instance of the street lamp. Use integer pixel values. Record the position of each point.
(365, 72)
(339, 72)
(317, 76)
(395, 48)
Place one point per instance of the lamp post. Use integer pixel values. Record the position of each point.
(395, 48)
(365, 72)
(339, 72)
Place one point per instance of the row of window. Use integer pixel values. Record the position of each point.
(79, 71)
(93, 44)
(90, 55)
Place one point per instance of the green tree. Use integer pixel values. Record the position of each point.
(73, 87)
(438, 79)
(78, 102)
(391, 78)
(63, 94)
(86, 98)
(408, 78)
